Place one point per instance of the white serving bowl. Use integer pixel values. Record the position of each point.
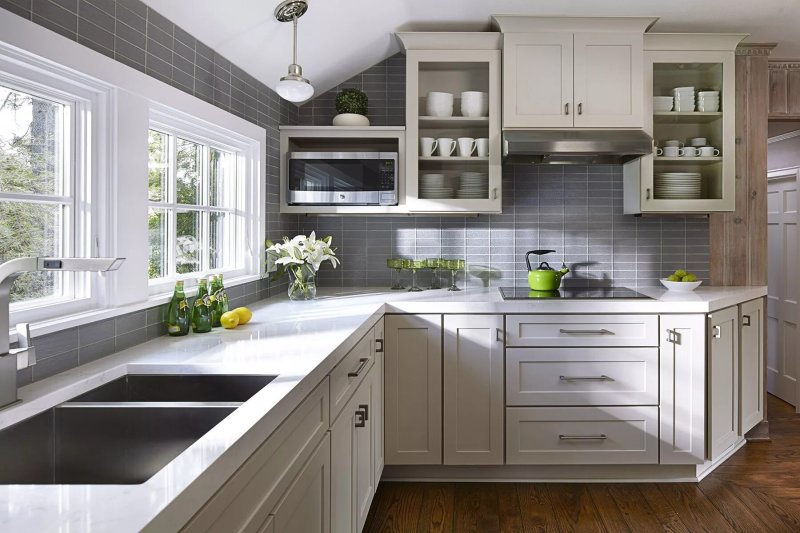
(680, 286)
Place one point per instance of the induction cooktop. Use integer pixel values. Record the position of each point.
(571, 293)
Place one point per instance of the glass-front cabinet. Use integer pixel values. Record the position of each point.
(690, 113)
(453, 135)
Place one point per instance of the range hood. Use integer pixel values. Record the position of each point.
(575, 147)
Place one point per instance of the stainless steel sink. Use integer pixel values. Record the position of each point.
(122, 432)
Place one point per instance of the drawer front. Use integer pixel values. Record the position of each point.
(581, 435)
(582, 330)
(350, 372)
(581, 376)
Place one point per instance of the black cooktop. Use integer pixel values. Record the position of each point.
(570, 293)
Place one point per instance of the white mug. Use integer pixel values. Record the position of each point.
(658, 151)
(482, 146)
(673, 143)
(466, 145)
(439, 104)
(671, 151)
(708, 151)
(688, 151)
(474, 104)
(698, 141)
(446, 146)
(427, 146)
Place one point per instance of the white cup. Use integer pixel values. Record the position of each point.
(446, 146)
(673, 143)
(708, 151)
(466, 145)
(688, 151)
(439, 104)
(427, 145)
(671, 151)
(474, 104)
(482, 146)
(698, 141)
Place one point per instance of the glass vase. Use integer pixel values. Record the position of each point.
(302, 283)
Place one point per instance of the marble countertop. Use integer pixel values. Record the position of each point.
(300, 343)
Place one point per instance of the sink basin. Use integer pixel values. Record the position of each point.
(122, 432)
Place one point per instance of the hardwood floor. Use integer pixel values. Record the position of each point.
(758, 489)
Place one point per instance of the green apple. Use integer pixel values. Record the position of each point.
(673, 277)
(680, 272)
(689, 277)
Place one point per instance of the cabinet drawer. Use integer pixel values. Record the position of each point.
(582, 435)
(349, 374)
(582, 376)
(582, 330)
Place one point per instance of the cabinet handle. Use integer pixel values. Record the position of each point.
(673, 336)
(361, 419)
(582, 437)
(566, 108)
(580, 108)
(379, 346)
(499, 335)
(494, 193)
(362, 363)
(585, 378)
(716, 332)
(585, 332)
(647, 194)
(745, 320)
(364, 407)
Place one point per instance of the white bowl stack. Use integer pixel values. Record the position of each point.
(708, 101)
(662, 104)
(678, 186)
(684, 99)
(432, 187)
(473, 185)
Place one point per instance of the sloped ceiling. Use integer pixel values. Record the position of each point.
(340, 38)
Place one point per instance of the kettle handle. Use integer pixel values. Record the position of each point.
(535, 252)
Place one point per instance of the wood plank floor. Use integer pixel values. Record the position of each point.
(758, 489)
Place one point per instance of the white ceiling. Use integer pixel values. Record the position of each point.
(340, 38)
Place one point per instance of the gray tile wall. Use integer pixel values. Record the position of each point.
(132, 33)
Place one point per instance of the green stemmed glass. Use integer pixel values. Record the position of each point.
(396, 264)
(414, 265)
(434, 264)
(454, 265)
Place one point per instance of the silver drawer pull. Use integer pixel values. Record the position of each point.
(378, 345)
(585, 332)
(362, 363)
(585, 378)
(582, 437)
(745, 320)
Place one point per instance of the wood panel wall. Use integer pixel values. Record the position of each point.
(738, 251)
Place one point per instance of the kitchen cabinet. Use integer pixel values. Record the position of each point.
(723, 380)
(582, 330)
(682, 390)
(452, 63)
(377, 415)
(351, 371)
(473, 389)
(784, 90)
(751, 364)
(413, 389)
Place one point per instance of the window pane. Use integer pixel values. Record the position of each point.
(157, 232)
(158, 148)
(219, 239)
(32, 229)
(187, 242)
(189, 159)
(221, 178)
(31, 143)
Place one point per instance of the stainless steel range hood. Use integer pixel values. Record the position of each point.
(579, 147)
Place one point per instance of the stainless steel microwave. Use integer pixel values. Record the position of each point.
(342, 178)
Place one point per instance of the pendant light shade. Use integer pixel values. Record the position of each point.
(293, 87)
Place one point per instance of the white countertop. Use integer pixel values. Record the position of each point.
(300, 342)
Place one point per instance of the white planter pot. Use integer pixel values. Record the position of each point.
(350, 119)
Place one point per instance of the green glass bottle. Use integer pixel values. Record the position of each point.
(201, 314)
(178, 313)
(219, 300)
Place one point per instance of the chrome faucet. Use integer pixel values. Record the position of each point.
(25, 355)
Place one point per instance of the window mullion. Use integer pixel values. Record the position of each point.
(172, 224)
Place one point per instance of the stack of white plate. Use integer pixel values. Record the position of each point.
(473, 185)
(678, 186)
(684, 99)
(708, 101)
(432, 186)
(662, 104)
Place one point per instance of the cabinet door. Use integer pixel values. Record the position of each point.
(751, 365)
(608, 80)
(473, 389)
(723, 380)
(377, 414)
(306, 505)
(682, 390)
(413, 390)
(537, 80)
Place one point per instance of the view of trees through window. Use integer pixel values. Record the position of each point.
(34, 193)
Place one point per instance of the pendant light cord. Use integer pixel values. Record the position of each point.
(294, 33)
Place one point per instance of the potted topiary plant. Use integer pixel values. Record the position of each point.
(351, 104)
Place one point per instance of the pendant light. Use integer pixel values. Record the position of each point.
(293, 87)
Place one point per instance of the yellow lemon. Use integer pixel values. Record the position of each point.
(244, 314)
(229, 320)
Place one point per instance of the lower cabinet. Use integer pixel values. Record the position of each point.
(723, 381)
(377, 414)
(751, 364)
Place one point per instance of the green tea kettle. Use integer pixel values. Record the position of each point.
(544, 278)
